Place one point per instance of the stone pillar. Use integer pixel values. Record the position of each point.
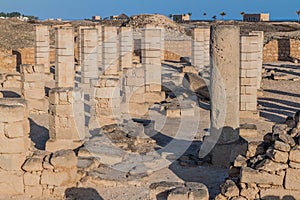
(33, 87)
(151, 62)
(100, 46)
(66, 123)
(14, 145)
(225, 73)
(110, 52)
(64, 57)
(89, 55)
(200, 47)
(260, 35)
(133, 101)
(42, 47)
(250, 59)
(126, 47)
(107, 99)
(162, 44)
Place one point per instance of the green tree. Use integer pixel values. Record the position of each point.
(222, 15)
(170, 16)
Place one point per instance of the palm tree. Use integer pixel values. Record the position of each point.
(242, 13)
(298, 13)
(214, 17)
(204, 14)
(170, 16)
(222, 14)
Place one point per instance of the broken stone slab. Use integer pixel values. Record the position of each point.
(161, 189)
(191, 191)
(284, 137)
(271, 166)
(229, 189)
(33, 164)
(249, 175)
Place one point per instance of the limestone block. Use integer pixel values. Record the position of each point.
(16, 129)
(279, 193)
(271, 166)
(38, 104)
(12, 162)
(64, 159)
(278, 156)
(249, 175)
(292, 179)
(55, 145)
(281, 146)
(13, 146)
(59, 178)
(32, 178)
(11, 183)
(33, 164)
(294, 165)
(34, 191)
(230, 189)
(294, 155)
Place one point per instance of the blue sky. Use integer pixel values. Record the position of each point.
(76, 9)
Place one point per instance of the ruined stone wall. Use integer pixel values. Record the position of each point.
(281, 50)
(27, 55)
(174, 49)
(7, 61)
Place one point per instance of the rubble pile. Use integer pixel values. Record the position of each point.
(270, 169)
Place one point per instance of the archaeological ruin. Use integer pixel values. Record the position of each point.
(115, 112)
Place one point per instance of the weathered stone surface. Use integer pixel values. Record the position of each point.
(278, 156)
(34, 191)
(284, 137)
(191, 191)
(249, 175)
(248, 130)
(33, 164)
(279, 129)
(281, 146)
(292, 179)
(279, 193)
(220, 197)
(59, 178)
(32, 179)
(11, 183)
(230, 189)
(295, 155)
(11, 161)
(255, 148)
(271, 166)
(240, 161)
(64, 159)
(294, 165)
(250, 192)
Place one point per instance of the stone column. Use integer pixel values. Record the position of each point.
(100, 46)
(126, 47)
(89, 55)
(250, 59)
(66, 123)
(260, 35)
(33, 87)
(42, 47)
(151, 62)
(225, 73)
(14, 145)
(110, 52)
(200, 47)
(64, 57)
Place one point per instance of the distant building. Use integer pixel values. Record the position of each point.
(182, 17)
(261, 17)
(119, 17)
(22, 18)
(96, 18)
